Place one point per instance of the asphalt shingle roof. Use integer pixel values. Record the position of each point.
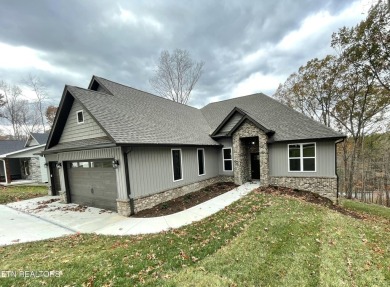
(131, 116)
(134, 116)
(8, 146)
(287, 123)
(40, 137)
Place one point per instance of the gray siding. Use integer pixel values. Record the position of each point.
(226, 142)
(74, 131)
(109, 153)
(325, 160)
(231, 123)
(150, 168)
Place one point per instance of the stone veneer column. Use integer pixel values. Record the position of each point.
(35, 169)
(240, 156)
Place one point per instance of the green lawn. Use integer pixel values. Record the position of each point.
(17, 193)
(373, 209)
(261, 240)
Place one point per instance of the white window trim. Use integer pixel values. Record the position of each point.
(204, 161)
(223, 158)
(77, 116)
(301, 157)
(181, 164)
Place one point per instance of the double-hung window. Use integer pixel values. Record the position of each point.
(302, 157)
(227, 159)
(177, 165)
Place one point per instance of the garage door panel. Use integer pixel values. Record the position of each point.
(91, 185)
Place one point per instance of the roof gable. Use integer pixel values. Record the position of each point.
(288, 124)
(63, 114)
(233, 121)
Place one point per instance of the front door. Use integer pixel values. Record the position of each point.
(255, 165)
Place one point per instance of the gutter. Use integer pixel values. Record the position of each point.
(127, 176)
(78, 148)
(335, 162)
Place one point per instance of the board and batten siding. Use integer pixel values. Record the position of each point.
(74, 131)
(229, 125)
(325, 160)
(226, 142)
(150, 168)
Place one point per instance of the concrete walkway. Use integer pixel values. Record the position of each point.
(37, 218)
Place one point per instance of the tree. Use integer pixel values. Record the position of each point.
(50, 115)
(176, 75)
(368, 43)
(313, 90)
(349, 91)
(40, 92)
(20, 113)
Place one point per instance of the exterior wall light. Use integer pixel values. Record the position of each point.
(115, 163)
(59, 165)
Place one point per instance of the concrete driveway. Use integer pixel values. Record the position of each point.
(45, 217)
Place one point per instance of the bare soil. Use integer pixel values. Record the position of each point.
(187, 201)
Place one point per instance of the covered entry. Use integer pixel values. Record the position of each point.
(92, 183)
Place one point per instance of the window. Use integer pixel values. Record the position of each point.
(176, 165)
(201, 168)
(227, 159)
(302, 157)
(104, 163)
(80, 117)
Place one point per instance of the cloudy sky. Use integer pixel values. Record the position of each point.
(247, 46)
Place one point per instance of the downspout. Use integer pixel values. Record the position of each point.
(337, 175)
(5, 171)
(127, 175)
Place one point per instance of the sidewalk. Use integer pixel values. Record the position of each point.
(53, 219)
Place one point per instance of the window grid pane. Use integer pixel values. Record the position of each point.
(301, 157)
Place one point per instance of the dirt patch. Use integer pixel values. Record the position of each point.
(310, 197)
(187, 201)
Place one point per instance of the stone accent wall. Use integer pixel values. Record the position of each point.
(123, 207)
(152, 200)
(35, 169)
(320, 185)
(240, 154)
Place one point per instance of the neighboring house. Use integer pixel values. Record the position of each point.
(123, 149)
(19, 160)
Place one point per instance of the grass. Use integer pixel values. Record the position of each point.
(261, 240)
(373, 209)
(16, 193)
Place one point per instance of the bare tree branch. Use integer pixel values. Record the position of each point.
(176, 75)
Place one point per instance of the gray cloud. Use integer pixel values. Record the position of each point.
(82, 38)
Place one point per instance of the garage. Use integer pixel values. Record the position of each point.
(93, 183)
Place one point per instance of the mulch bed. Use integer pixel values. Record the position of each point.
(187, 201)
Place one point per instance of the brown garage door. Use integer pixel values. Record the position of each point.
(93, 183)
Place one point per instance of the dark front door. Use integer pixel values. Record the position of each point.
(54, 178)
(255, 165)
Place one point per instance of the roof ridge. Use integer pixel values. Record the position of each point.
(92, 91)
(150, 94)
(239, 97)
